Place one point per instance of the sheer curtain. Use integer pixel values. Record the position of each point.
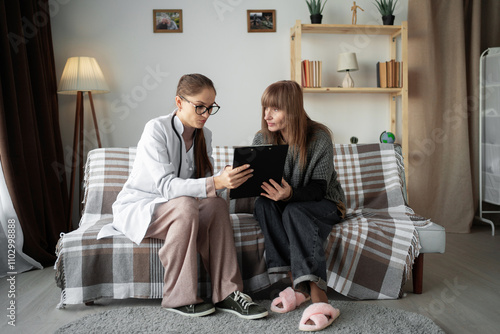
(445, 40)
(12, 259)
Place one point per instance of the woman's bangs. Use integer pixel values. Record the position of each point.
(274, 98)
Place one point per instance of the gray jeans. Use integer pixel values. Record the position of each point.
(294, 237)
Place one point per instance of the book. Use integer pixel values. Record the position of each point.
(377, 68)
(398, 75)
(319, 72)
(389, 74)
(267, 161)
(306, 73)
(302, 74)
(311, 73)
(383, 74)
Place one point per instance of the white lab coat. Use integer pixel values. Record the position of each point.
(155, 178)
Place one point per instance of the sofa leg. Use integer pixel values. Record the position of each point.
(91, 303)
(418, 274)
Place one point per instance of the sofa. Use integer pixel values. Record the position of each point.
(370, 254)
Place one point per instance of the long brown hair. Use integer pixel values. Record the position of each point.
(287, 95)
(192, 84)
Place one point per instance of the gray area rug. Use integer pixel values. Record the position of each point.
(354, 318)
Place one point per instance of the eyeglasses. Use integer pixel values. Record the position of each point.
(200, 110)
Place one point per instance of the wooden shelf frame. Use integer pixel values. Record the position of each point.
(350, 29)
(395, 34)
(355, 90)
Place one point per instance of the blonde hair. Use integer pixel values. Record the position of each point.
(286, 95)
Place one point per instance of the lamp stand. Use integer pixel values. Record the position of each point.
(78, 146)
(348, 82)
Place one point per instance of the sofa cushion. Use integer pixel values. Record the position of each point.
(432, 238)
(367, 183)
(369, 175)
(106, 171)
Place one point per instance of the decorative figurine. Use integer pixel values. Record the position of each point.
(354, 10)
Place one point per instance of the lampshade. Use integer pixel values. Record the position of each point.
(82, 74)
(347, 62)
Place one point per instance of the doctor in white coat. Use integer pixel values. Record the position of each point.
(171, 194)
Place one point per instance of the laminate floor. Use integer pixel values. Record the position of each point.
(461, 292)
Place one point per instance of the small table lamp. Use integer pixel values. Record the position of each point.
(81, 75)
(347, 62)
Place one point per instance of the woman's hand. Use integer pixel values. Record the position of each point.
(231, 178)
(275, 191)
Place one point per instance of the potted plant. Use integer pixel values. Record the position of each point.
(315, 9)
(386, 9)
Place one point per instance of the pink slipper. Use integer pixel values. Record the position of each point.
(289, 299)
(322, 314)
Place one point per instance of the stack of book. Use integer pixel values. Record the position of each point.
(311, 73)
(389, 74)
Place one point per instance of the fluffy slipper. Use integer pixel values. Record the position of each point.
(289, 299)
(321, 314)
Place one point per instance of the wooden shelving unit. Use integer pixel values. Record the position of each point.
(395, 34)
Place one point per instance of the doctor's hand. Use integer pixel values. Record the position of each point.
(277, 192)
(231, 178)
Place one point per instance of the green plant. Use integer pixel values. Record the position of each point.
(315, 6)
(385, 7)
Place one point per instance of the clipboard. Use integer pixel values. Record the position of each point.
(267, 161)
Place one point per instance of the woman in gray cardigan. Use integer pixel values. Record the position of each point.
(297, 215)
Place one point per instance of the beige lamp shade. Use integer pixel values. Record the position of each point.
(82, 74)
(347, 62)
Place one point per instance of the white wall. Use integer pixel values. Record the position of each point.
(215, 42)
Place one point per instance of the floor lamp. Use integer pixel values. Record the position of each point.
(81, 75)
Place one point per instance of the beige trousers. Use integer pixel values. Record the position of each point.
(190, 226)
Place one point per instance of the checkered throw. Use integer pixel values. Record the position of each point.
(369, 254)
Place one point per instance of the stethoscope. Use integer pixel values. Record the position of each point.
(180, 146)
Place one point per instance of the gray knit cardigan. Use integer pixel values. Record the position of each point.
(319, 167)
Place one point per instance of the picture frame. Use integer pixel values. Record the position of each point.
(261, 20)
(167, 20)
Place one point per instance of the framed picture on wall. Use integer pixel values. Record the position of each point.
(167, 20)
(261, 20)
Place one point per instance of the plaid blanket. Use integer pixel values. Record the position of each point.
(369, 254)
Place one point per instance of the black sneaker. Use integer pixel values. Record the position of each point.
(242, 305)
(196, 310)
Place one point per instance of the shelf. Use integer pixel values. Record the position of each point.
(356, 90)
(351, 29)
(396, 35)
